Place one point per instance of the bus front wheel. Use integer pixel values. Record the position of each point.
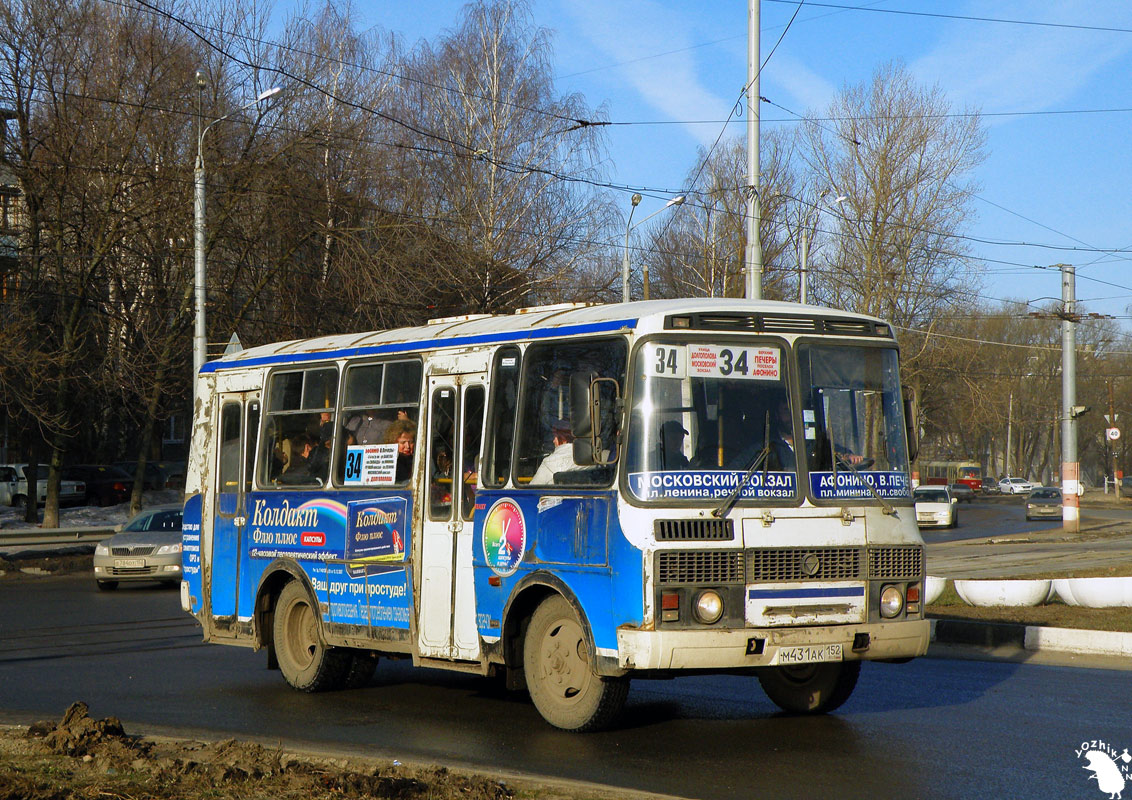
(306, 663)
(559, 672)
(810, 688)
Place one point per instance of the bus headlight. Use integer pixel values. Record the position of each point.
(891, 602)
(708, 607)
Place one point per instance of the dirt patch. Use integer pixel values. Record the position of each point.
(80, 758)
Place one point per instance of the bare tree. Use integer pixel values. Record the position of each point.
(700, 249)
(903, 164)
(504, 165)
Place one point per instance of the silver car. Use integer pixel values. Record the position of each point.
(148, 548)
(1044, 502)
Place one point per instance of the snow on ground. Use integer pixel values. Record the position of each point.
(92, 516)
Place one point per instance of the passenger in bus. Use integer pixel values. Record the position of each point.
(319, 461)
(403, 433)
(442, 479)
(672, 435)
(560, 459)
(782, 455)
(368, 427)
(555, 403)
(298, 469)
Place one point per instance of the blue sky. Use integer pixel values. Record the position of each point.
(1052, 179)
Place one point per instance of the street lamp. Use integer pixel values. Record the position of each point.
(806, 241)
(675, 201)
(200, 345)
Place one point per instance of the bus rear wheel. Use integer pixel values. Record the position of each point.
(558, 667)
(810, 688)
(305, 661)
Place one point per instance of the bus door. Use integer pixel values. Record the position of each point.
(235, 458)
(446, 624)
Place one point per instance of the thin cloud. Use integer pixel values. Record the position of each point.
(1002, 67)
(806, 91)
(624, 31)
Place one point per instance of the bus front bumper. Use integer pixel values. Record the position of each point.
(764, 647)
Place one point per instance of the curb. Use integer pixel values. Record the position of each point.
(1031, 637)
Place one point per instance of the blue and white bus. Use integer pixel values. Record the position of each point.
(568, 497)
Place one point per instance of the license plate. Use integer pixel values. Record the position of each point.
(808, 654)
(126, 563)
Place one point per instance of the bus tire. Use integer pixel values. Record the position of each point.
(304, 659)
(559, 672)
(810, 688)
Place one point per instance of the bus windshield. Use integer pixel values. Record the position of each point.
(853, 421)
(703, 416)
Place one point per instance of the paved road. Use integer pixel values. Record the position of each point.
(932, 728)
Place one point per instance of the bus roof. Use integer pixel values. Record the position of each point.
(725, 315)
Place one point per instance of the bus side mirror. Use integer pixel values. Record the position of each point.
(589, 410)
(911, 421)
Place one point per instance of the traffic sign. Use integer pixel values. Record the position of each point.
(1112, 433)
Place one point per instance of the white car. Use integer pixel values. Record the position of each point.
(935, 507)
(14, 487)
(1016, 486)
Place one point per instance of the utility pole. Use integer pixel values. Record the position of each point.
(754, 251)
(1111, 441)
(1070, 467)
(1009, 423)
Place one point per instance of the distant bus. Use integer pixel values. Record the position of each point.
(947, 472)
(567, 497)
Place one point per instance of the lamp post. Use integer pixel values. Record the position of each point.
(200, 343)
(675, 201)
(802, 272)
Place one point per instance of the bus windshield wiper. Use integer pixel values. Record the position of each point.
(759, 459)
(886, 507)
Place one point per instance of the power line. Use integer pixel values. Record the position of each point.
(967, 18)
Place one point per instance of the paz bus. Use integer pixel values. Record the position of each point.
(566, 498)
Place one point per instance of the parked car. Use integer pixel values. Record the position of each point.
(14, 487)
(935, 507)
(1015, 486)
(158, 474)
(990, 486)
(174, 473)
(147, 548)
(105, 485)
(961, 492)
(1044, 502)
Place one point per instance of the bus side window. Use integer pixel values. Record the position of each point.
(470, 448)
(228, 476)
(295, 447)
(380, 401)
(504, 397)
(546, 414)
(441, 452)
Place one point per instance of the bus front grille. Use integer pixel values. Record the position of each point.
(777, 564)
(694, 530)
(789, 564)
(699, 566)
(896, 562)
